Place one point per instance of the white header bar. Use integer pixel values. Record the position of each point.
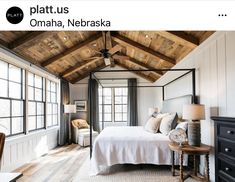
(120, 15)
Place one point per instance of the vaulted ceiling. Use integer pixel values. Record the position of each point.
(73, 55)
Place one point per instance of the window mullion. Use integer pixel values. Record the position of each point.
(46, 105)
(26, 107)
(113, 108)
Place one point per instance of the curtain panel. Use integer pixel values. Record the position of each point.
(93, 104)
(65, 99)
(132, 114)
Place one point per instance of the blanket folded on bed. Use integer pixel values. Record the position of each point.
(129, 145)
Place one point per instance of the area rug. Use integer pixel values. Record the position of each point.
(128, 173)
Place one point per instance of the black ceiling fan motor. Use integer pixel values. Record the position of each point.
(105, 53)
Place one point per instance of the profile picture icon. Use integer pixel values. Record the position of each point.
(14, 15)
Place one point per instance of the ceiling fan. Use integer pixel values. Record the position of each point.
(109, 53)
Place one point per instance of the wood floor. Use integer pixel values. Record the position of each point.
(61, 164)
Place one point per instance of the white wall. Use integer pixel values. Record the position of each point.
(146, 96)
(214, 61)
(24, 148)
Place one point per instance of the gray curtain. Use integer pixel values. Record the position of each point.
(132, 114)
(93, 104)
(65, 99)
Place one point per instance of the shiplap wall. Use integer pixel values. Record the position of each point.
(214, 61)
(24, 148)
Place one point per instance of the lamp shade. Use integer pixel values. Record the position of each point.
(193, 112)
(69, 108)
(152, 110)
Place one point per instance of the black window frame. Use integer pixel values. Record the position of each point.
(11, 99)
(52, 103)
(122, 104)
(113, 104)
(42, 101)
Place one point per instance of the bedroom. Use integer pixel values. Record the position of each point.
(54, 70)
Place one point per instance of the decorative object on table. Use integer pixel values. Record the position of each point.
(178, 136)
(68, 109)
(194, 113)
(81, 105)
(152, 111)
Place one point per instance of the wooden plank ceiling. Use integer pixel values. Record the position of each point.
(73, 55)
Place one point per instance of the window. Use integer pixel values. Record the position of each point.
(36, 97)
(52, 104)
(14, 105)
(11, 99)
(113, 106)
(120, 104)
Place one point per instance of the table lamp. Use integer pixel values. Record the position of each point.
(68, 109)
(194, 113)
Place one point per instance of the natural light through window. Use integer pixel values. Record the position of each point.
(113, 106)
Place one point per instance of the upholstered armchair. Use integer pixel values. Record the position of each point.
(81, 132)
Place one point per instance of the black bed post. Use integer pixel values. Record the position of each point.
(91, 124)
(194, 85)
(163, 93)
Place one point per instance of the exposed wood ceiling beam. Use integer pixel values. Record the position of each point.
(78, 66)
(181, 37)
(31, 38)
(71, 50)
(100, 67)
(139, 63)
(128, 42)
(135, 72)
(4, 44)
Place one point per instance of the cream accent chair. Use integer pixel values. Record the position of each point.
(81, 133)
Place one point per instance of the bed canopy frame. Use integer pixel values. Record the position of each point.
(187, 71)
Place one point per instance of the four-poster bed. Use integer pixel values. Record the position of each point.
(120, 145)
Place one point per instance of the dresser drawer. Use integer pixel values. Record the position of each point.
(227, 148)
(227, 131)
(227, 168)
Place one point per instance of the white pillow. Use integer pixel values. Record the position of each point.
(165, 126)
(161, 115)
(182, 125)
(152, 125)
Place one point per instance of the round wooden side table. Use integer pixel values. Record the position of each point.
(195, 151)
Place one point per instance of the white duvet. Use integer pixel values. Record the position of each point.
(129, 145)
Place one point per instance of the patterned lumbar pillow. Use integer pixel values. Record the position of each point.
(152, 125)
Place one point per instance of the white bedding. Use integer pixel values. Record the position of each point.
(128, 144)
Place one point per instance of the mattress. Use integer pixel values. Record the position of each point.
(129, 145)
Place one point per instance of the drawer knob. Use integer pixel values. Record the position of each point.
(229, 132)
(227, 150)
(227, 169)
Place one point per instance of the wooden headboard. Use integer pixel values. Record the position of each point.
(176, 104)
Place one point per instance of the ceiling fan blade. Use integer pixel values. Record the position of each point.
(115, 49)
(93, 49)
(104, 39)
(108, 40)
(120, 57)
(93, 57)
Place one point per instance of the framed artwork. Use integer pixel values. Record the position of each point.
(81, 105)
